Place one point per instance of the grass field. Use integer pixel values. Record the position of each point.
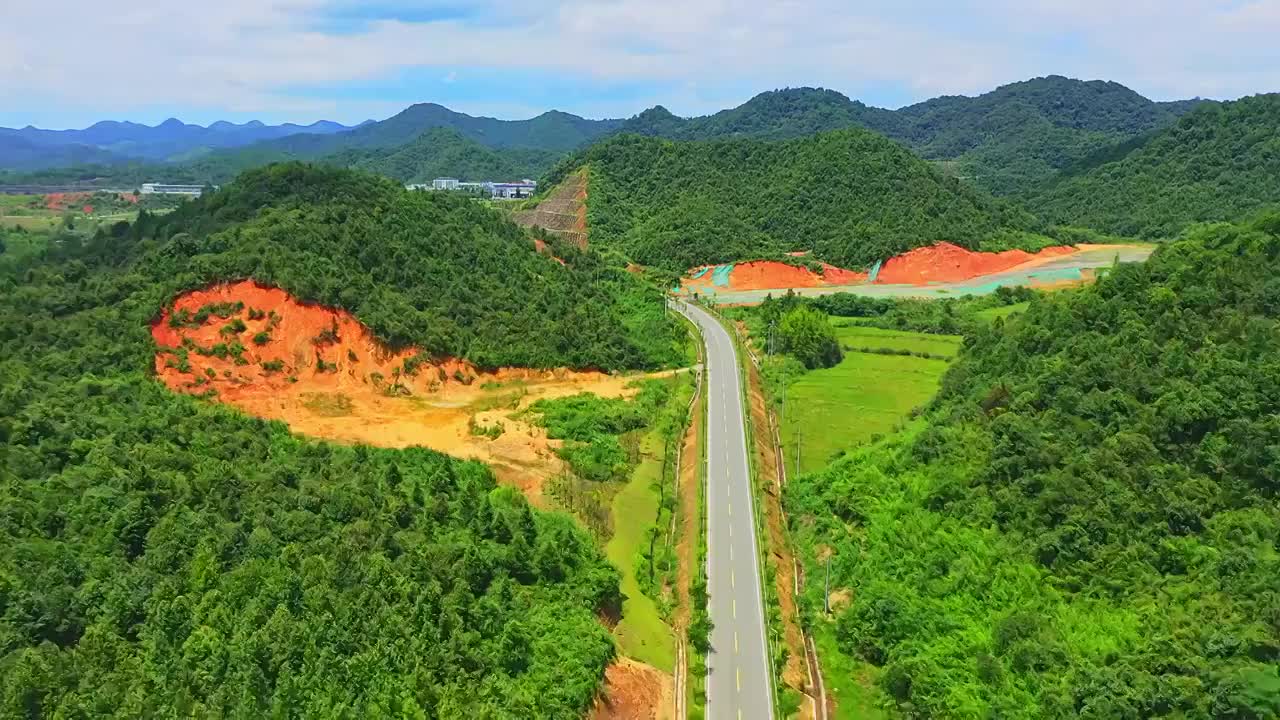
(856, 335)
(642, 634)
(830, 410)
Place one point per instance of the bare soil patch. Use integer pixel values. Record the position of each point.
(633, 691)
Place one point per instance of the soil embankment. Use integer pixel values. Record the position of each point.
(324, 374)
(563, 212)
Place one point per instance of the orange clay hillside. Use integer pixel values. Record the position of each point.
(939, 263)
(324, 374)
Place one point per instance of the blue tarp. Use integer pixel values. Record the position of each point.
(721, 275)
(875, 271)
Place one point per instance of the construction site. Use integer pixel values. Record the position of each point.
(936, 271)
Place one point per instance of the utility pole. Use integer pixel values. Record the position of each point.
(799, 437)
(826, 588)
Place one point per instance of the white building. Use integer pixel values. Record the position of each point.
(165, 189)
(515, 190)
(444, 184)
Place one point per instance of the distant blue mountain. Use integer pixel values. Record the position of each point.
(109, 141)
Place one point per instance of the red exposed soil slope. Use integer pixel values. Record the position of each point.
(299, 336)
(362, 394)
(945, 262)
(769, 274)
(940, 263)
(61, 201)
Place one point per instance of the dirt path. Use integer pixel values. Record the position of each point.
(780, 555)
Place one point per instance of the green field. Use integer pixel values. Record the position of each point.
(830, 410)
(855, 335)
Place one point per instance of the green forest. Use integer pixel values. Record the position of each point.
(1084, 522)
(162, 555)
(1221, 162)
(432, 270)
(852, 197)
(1017, 135)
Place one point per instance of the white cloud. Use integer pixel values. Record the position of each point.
(253, 55)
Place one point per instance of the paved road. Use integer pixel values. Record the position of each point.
(738, 682)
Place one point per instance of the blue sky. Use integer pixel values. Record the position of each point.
(303, 60)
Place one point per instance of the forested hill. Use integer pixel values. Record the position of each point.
(433, 270)
(851, 196)
(1085, 522)
(161, 555)
(1006, 140)
(551, 132)
(772, 115)
(1023, 134)
(1221, 162)
(444, 152)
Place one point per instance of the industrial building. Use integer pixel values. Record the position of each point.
(503, 190)
(166, 189)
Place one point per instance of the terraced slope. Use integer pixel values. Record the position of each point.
(563, 212)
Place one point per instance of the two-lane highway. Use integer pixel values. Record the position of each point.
(738, 679)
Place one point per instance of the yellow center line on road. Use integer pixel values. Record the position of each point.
(735, 608)
(735, 642)
(739, 674)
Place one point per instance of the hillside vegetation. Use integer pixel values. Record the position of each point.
(163, 555)
(851, 196)
(772, 115)
(1023, 134)
(1221, 162)
(1084, 523)
(1014, 137)
(446, 153)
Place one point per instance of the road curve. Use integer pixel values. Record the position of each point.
(738, 679)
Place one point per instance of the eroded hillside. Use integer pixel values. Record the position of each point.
(324, 374)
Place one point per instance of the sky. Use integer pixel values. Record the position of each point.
(69, 63)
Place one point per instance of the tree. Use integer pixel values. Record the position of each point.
(807, 334)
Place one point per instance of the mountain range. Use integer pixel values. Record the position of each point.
(1015, 134)
(1066, 150)
(111, 142)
